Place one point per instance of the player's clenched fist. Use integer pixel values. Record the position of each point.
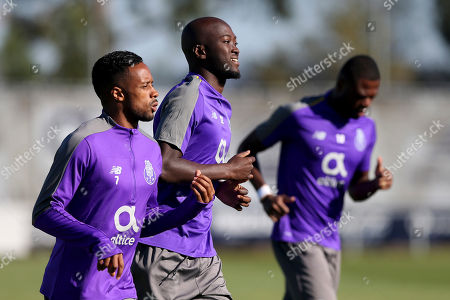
(383, 176)
(276, 205)
(240, 166)
(202, 187)
(231, 193)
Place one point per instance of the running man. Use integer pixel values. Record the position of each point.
(192, 126)
(326, 144)
(103, 180)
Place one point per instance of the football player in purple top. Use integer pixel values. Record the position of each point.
(326, 145)
(103, 184)
(192, 126)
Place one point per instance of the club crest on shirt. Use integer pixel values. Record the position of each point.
(149, 173)
(360, 140)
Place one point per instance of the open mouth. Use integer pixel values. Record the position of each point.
(235, 61)
(362, 111)
(154, 105)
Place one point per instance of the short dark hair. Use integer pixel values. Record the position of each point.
(360, 67)
(109, 68)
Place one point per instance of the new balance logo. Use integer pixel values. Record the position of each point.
(116, 170)
(319, 135)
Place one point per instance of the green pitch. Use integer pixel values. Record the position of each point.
(377, 274)
(253, 274)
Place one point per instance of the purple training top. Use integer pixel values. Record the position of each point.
(101, 185)
(320, 153)
(195, 118)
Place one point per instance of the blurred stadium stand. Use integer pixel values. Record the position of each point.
(416, 210)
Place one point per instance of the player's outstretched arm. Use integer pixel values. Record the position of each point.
(201, 187)
(274, 205)
(177, 169)
(361, 187)
(254, 145)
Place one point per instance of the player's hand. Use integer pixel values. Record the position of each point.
(276, 205)
(241, 166)
(113, 263)
(383, 176)
(202, 187)
(233, 194)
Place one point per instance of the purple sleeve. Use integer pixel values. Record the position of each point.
(69, 167)
(364, 165)
(161, 220)
(62, 225)
(276, 128)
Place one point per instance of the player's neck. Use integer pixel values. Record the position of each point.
(217, 83)
(120, 118)
(336, 104)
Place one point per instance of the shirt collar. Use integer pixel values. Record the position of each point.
(210, 87)
(114, 124)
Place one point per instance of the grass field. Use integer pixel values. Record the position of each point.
(254, 274)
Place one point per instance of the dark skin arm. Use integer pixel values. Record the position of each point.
(361, 187)
(177, 169)
(274, 205)
(237, 170)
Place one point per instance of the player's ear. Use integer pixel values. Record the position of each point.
(343, 86)
(199, 51)
(117, 94)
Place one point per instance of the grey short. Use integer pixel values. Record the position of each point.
(311, 271)
(161, 274)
